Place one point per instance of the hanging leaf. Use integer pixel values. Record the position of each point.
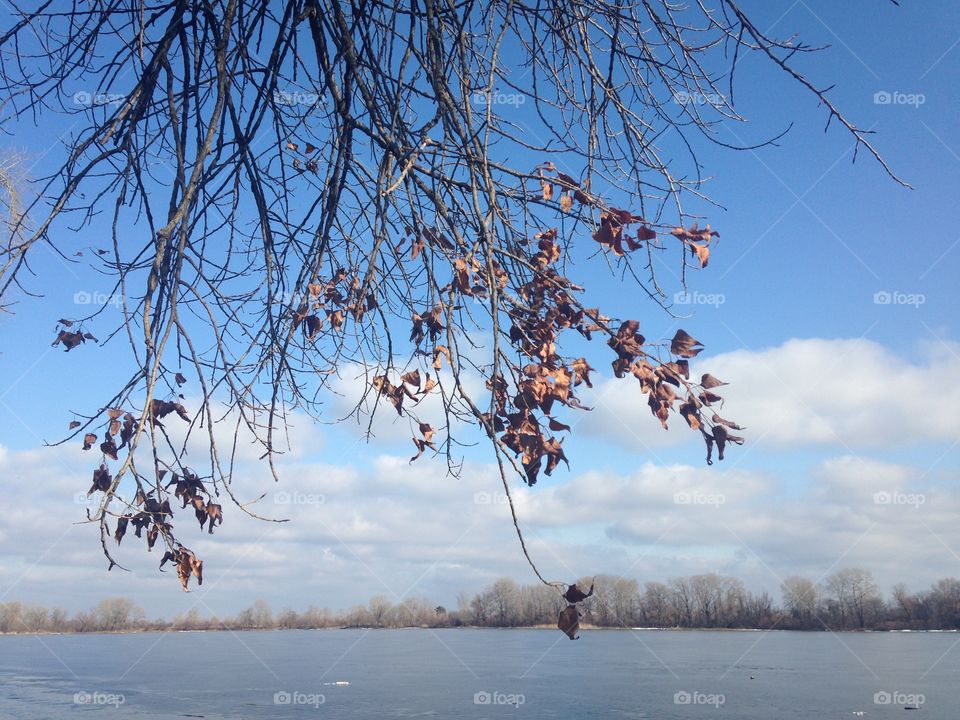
(644, 234)
(708, 439)
(215, 514)
(685, 346)
(702, 252)
(709, 381)
(121, 528)
(569, 621)
(440, 352)
(557, 426)
(426, 442)
(720, 421)
(70, 340)
(581, 372)
(690, 412)
(708, 398)
(412, 378)
(162, 408)
(101, 480)
(311, 326)
(574, 594)
(722, 437)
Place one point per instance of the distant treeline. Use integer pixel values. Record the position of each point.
(847, 600)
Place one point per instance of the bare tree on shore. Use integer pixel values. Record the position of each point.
(717, 602)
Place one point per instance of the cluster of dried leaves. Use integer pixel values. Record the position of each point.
(394, 203)
(150, 513)
(265, 197)
(331, 302)
(524, 401)
(70, 338)
(569, 619)
(536, 304)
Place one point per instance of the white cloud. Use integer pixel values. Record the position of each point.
(401, 528)
(845, 394)
(377, 524)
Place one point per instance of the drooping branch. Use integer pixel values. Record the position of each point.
(304, 192)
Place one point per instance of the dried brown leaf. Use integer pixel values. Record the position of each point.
(685, 346)
(569, 621)
(708, 381)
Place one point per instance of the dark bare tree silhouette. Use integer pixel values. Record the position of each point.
(300, 191)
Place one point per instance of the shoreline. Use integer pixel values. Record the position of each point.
(583, 627)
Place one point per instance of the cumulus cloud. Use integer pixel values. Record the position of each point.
(361, 523)
(849, 394)
(401, 529)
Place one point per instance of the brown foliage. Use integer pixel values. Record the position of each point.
(297, 242)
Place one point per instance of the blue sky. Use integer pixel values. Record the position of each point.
(832, 256)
